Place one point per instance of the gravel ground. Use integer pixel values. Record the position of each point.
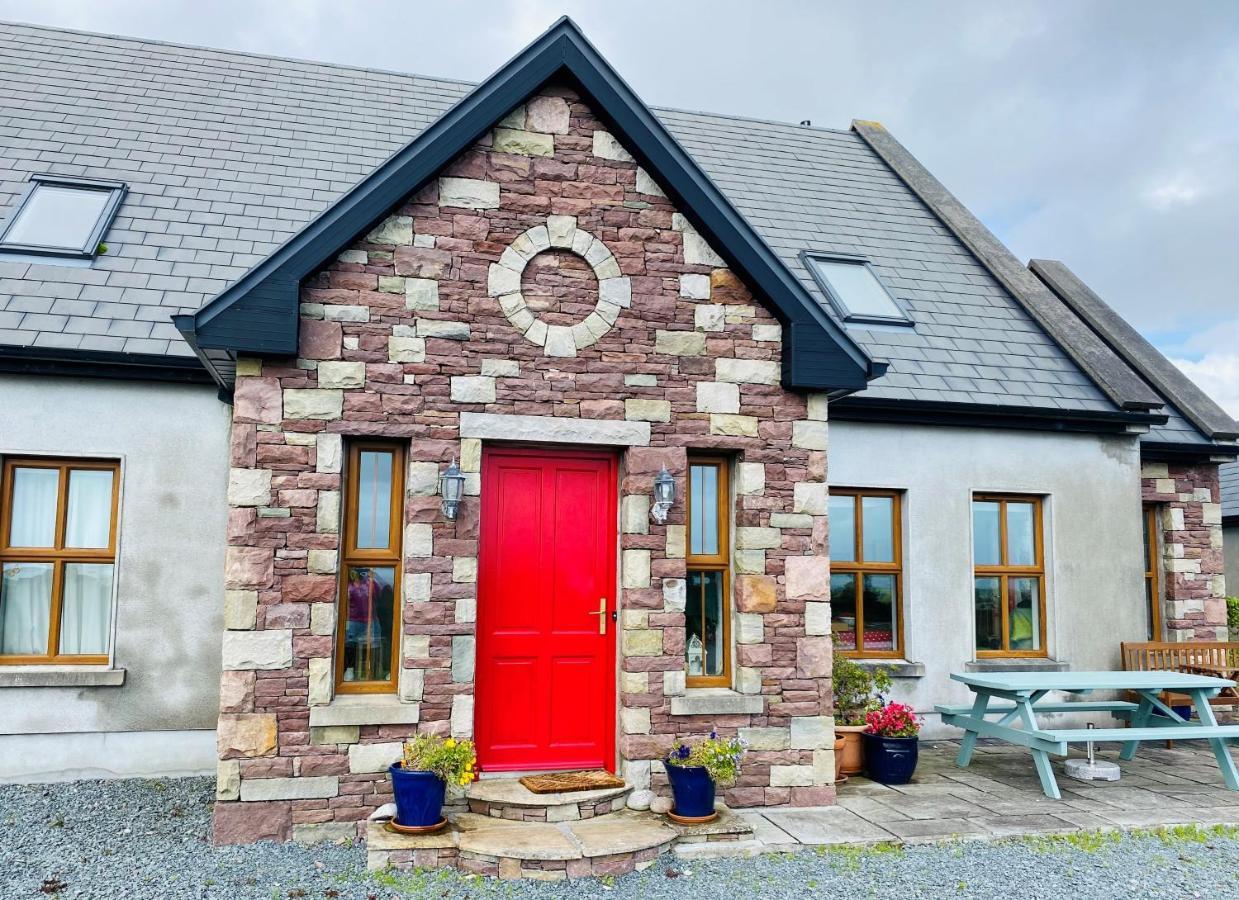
(149, 839)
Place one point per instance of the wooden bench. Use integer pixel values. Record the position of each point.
(1169, 656)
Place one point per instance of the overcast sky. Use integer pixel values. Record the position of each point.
(1104, 134)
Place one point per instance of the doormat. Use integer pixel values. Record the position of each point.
(566, 782)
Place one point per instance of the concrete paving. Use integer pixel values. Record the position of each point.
(999, 796)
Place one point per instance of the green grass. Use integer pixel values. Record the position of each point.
(1096, 841)
(848, 858)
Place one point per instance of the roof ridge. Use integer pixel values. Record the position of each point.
(1136, 350)
(328, 64)
(1094, 357)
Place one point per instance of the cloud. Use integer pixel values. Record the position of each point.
(1217, 374)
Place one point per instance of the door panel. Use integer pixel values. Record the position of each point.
(545, 675)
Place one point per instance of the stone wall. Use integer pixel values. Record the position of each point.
(1194, 582)
(543, 275)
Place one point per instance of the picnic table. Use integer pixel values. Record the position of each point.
(1019, 696)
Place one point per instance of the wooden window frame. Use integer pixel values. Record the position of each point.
(860, 567)
(718, 562)
(390, 556)
(59, 556)
(1004, 572)
(1153, 568)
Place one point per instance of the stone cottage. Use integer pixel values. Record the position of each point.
(506, 408)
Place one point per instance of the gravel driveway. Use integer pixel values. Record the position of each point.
(149, 839)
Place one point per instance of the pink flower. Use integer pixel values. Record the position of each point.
(893, 720)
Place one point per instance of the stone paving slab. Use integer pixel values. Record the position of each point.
(827, 825)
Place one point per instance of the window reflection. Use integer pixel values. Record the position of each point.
(368, 630)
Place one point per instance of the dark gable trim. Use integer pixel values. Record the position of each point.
(1118, 382)
(1127, 342)
(863, 408)
(1163, 451)
(98, 364)
(258, 315)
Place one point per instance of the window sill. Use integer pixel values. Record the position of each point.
(898, 668)
(61, 676)
(365, 709)
(1017, 664)
(716, 702)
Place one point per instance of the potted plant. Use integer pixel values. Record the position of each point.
(696, 770)
(890, 739)
(428, 765)
(858, 691)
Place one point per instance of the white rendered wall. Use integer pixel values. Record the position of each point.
(172, 443)
(1094, 568)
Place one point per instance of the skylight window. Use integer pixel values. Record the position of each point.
(62, 216)
(855, 292)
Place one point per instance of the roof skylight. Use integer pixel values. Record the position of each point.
(62, 216)
(854, 290)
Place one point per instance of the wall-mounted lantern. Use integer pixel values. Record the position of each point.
(451, 488)
(664, 495)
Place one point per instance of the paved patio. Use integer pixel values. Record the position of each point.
(999, 796)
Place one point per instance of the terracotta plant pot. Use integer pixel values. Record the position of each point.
(853, 754)
(839, 744)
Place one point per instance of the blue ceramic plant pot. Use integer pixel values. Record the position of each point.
(889, 760)
(419, 796)
(693, 790)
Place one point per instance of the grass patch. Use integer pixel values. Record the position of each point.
(1097, 841)
(849, 858)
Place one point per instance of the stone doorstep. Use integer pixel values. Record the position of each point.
(503, 792)
(610, 844)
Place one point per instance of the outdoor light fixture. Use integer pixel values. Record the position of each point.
(664, 495)
(452, 487)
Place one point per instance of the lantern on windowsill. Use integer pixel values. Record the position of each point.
(696, 656)
(664, 495)
(451, 488)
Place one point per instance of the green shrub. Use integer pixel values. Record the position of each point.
(858, 689)
(1232, 617)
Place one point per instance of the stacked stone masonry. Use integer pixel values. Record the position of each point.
(1188, 502)
(542, 274)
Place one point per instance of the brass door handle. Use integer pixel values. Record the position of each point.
(601, 613)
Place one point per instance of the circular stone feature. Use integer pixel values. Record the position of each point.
(544, 319)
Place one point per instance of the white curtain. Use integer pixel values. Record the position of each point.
(34, 507)
(85, 612)
(25, 604)
(90, 508)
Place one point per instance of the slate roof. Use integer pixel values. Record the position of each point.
(1230, 491)
(228, 154)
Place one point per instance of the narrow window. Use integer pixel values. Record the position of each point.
(58, 557)
(855, 291)
(1152, 573)
(866, 572)
(60, 216)
(708, 614)
(367, 660)
(1009, 575)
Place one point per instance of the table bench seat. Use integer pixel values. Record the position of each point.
(1115, 706)
(1153, 733)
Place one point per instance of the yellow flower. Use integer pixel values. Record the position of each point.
(450, 742)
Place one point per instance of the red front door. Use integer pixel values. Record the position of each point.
(545, 663)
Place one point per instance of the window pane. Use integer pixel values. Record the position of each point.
(1024, 613)
(989, 613)
(86, 612)
(34, 507)
(842, 519)
(25, 605)
(879, 600)
(843, 609)
(703, 517)
(58, 216)
(879, 520)
(985, 533)
(90, 508)
(371, 616)
(374, 499)
(1150, 602)
(704, 650)
(856, 287)
(1021, 544)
